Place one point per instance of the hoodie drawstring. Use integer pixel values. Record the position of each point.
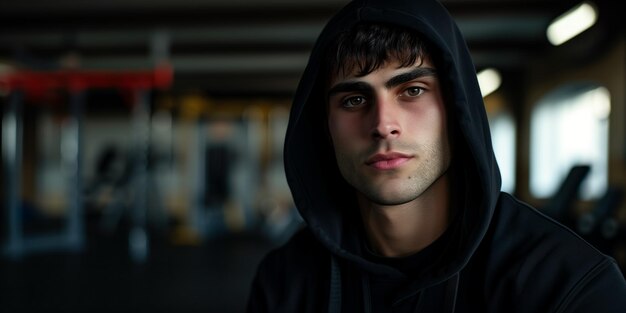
(334, 297)
(451, 294)
(367, 293)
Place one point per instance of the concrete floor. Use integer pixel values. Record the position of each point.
(211, 276)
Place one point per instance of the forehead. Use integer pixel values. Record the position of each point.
(387, 68)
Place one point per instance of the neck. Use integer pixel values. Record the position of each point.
(405, 229)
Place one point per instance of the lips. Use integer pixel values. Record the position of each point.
(386, 161)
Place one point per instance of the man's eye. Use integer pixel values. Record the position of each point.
(353, 102)
(413, 91)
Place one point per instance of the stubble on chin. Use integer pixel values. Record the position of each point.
(397, 186)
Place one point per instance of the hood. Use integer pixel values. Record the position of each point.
(324, 199)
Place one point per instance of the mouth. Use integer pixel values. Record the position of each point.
(387, 161)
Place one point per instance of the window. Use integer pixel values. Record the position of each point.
(503, 139)
(569, 127)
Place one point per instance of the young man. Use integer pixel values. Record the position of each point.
(389, 159)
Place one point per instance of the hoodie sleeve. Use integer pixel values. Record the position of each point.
(602, 290)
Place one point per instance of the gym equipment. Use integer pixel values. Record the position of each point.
(601, 226)
(604, 210)
(560, 205)
(20, 83)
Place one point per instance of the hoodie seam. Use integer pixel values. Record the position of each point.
(581, 283)
(555, 223)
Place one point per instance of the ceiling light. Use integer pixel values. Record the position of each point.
(572, 23)
(489, 80)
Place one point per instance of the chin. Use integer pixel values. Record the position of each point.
(391, 198)
(392, 202)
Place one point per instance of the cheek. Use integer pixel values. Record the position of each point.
(340, 129)
(423, 122)
(439, 131)
(433, 117)
(428, 125)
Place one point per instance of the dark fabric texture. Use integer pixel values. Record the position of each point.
(499, 255)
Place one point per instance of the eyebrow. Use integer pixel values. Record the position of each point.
(392, 82)
(409, 76)
(350, 86)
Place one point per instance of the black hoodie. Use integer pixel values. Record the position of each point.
(499, 255)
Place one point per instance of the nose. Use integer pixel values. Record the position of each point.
(386, 122)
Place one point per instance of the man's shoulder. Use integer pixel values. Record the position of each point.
(293, 277)
(527, 235)
(519, 223)
(535, 257)
(301, 251)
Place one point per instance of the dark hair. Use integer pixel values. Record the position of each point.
(367, 46)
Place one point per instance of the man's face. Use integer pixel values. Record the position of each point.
(389, 131)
